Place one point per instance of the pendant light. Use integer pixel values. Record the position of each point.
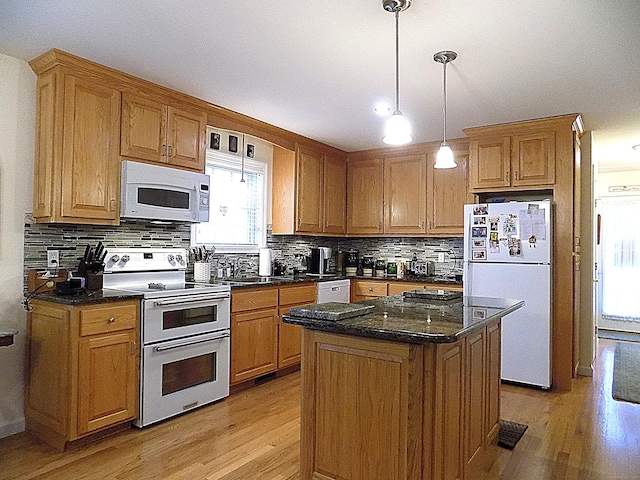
(397, 130)
(444, 159)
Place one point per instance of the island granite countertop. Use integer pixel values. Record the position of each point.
(409, 320)
(87, 297)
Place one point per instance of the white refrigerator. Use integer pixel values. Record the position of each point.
(507, 254)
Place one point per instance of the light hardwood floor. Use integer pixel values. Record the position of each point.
(581, 435)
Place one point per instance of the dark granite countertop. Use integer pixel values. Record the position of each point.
(408, 320)
(88, 297)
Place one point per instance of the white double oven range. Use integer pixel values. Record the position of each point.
(184, 331)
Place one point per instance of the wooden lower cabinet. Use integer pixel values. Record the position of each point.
(380, 409)
(362, 290)
(260, 342)
(290, 336)
(83, 369)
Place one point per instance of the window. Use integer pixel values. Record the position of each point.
(237, 217)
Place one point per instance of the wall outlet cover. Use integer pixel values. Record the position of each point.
(441, 257)
(53, 258)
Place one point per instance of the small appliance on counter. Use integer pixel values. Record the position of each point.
(380, 269)
(367, 266)
(352, 259)
(320, 261)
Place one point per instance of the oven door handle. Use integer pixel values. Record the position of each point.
(191, 299)
(193, 342)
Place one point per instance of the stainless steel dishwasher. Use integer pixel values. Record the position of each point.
(334, 291)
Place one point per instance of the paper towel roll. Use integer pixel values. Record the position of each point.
(264, 265)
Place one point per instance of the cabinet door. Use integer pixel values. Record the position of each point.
(405, 194)
(447, 194)
(474, 397)
(44, 173)
(90, 161)
(48, 362)
(364, 196)
(186, 140)
(533, 159)
(447, 454)
(107, 380)
(143, 126)
(335, 195)
(309, 191)
(254, 344)
(489, 162)
(289, 341)
(492, 401)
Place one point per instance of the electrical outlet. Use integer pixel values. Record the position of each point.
(53, 258)
(440, 257)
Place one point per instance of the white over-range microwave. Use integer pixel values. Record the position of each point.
(153, 192)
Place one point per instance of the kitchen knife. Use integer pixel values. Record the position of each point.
(98, 251)
(87, 251)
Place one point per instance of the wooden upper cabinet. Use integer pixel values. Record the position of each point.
(309, 198)
(447, 193)
(533, 158)
(405, 194)
(365, 196)
(490, 163)
(517, 156)
(159, 133)
(76, 164)
(309, 192)
(335, 195)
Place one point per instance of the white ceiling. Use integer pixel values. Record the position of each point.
(317, 68)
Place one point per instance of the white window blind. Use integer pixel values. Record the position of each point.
(237, 218)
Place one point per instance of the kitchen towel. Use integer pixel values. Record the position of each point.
(264, 262)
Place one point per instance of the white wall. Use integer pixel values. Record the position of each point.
(629, 178)
(17, 133)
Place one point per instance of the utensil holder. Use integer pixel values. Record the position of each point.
(202, 271)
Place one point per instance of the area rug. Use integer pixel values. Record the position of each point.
(626, 372)
(510, 433)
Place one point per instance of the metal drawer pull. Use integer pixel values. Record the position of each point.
(191, 299)
(111, 320)
(188, 344)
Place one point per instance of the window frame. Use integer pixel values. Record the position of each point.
(251, 165)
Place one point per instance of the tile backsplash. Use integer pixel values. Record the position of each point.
(71, 240)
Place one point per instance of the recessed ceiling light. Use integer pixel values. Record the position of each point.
(382, 109)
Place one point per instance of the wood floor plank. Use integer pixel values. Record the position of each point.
(255, 434)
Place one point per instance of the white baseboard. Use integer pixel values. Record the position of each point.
(12, 428)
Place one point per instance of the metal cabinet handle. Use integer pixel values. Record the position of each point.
(133, 348)
(112, 204)
(164, 150)
(112, 320)
(370, 289)
(517, 175)
(506, 176)
(171, 150)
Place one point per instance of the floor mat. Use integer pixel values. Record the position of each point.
(626, 372)
(510, 433)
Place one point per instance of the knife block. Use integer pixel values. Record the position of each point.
(93, 281)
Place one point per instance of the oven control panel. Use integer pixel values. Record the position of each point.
(145, 259)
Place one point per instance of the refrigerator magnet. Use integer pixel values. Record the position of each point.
(479, 232)
(493, 224)
(479, 220)
(479, 254)
(480, 209)
(479, 243)
(494, 246)
(493, 236)
(515, 247)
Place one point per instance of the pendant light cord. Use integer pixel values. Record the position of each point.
(397, 64)
(444, 103)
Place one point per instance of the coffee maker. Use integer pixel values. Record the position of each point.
(319, 261)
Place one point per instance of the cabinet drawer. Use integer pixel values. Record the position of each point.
(396, 288)
(108, 318)
(371, 289)
(443, 286)
(298, 294)
(252, 299)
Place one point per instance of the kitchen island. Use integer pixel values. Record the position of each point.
(410, 390)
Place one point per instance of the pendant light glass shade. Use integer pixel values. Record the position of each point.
(444, 159)
(397, 130)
